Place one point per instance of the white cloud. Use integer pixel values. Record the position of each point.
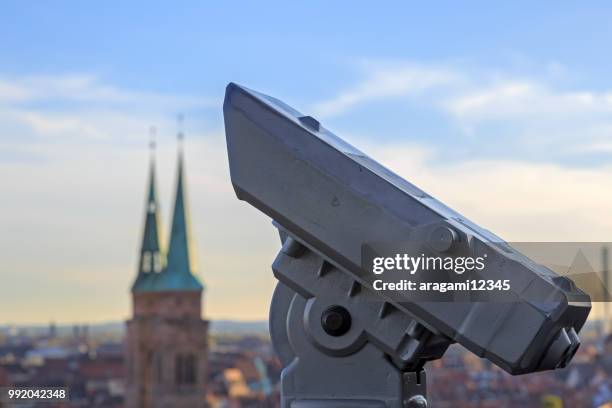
(54, 123)
(539, 111)
(10, 92)
(81, 107)
(465, 93)
(517, 200)
(514, 99)
(384, 81)
(602, 146)
(87, 88)
(81, 127)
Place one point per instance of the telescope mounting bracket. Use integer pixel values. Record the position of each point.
(339, 345)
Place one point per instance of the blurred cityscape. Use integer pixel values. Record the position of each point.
(244, 372)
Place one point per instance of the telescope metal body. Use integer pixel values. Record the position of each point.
(328, 199)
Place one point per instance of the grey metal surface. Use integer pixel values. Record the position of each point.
(321, 371)
(328, 199)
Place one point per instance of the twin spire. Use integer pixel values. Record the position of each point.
(158, 270)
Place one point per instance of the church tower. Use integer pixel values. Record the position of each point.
(167, 339)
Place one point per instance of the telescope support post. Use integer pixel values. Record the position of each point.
(332, 357)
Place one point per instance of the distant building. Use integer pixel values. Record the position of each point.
(52, 330)
(167, 339)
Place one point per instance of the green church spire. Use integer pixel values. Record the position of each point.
(179, 272)
(151, 259)
(174, 272)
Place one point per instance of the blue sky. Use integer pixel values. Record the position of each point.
(307, 53)
(503, 112)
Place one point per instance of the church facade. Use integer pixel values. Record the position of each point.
(167, 339)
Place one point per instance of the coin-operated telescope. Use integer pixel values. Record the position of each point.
(342, 343)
